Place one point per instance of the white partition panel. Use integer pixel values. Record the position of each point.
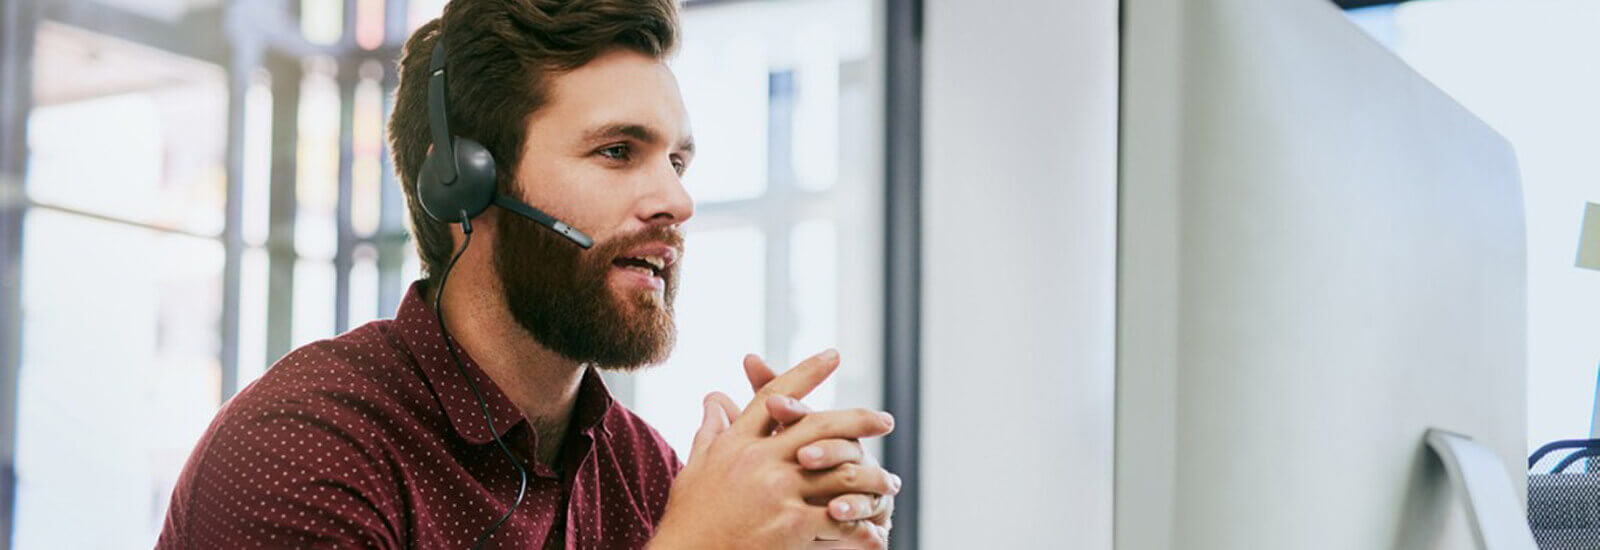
(1019, 180)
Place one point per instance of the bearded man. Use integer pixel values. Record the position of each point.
(476, 416)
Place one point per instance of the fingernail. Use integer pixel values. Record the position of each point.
(841, 509)
(830, 354)
(888, 419)
(811, 454)
(895, 480)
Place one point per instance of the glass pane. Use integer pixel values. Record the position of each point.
(257, 159)
(364, 286)
(366, 168)
(422, 11)
(317, 175)
(724, 82)
(814, 298)
(721, 317)
(723, 68)
(312, 320)
(322, 21)
(410, 270)
(119, 377)
(816, 107)
(253, 360)
(126, 131)
(369, 23)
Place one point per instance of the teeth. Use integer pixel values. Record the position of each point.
(641, 269)
(655, 261)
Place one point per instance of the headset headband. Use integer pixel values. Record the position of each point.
(438, 120)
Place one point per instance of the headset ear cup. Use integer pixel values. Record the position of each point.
(475, 179)
(429, 190)
(472, 191)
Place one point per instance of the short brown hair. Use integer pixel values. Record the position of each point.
(500, 54)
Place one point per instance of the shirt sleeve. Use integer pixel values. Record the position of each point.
(285, 475)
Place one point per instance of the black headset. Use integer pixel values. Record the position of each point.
(457, 180)
(455, 184)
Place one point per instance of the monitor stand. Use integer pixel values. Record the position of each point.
(1486, 491)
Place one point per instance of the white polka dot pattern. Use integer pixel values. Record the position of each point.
(372, 440)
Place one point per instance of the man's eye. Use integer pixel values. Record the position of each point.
(615, 152)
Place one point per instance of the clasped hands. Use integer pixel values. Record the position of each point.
(778, 475)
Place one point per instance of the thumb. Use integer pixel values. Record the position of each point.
(713, 421)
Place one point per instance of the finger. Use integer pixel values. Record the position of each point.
(849, 478)
(725, 404)
(757, 371)
(841, 424)
(883, 508)
(828, 453)
(712, 424)
(796, 383)
(856, 535)
(786, 410)
(854, 506)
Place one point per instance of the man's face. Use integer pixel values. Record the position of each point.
(604, 154)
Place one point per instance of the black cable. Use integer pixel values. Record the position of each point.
(438, 313)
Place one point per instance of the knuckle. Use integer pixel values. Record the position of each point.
(775, 481)
(792, 518)
(850, 475)
(883, 482)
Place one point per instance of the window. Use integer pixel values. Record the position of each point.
(783, 256)
(122, 288)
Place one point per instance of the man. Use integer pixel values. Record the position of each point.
(381, 438)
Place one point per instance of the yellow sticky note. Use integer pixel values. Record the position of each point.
(1589, 241)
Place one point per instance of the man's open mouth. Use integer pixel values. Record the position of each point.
(651, 265)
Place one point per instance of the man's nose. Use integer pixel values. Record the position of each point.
(668, 202)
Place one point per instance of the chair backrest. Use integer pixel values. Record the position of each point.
(1564, 495)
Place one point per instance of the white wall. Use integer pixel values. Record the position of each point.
(1019, 179)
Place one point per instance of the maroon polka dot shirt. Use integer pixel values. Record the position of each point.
(373, 440)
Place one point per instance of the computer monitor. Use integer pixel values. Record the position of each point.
(1321, 256)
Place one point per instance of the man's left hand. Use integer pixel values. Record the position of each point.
(866, 518)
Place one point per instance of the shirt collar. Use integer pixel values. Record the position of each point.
(419, 330)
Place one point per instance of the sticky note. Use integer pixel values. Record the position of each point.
(1589, 241)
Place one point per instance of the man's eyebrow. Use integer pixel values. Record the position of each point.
(636, 131)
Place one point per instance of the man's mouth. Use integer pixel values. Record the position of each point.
(650, 261)
(647, 265)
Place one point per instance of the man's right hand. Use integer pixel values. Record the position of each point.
(742, 488)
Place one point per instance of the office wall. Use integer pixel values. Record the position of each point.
(1019, 245)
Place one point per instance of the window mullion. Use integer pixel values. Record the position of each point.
(345, 247)
(287, 74)
(243, 60)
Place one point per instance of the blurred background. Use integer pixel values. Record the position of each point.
(191, 188)
(206, 186)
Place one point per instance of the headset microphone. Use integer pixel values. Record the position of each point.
(455, 184)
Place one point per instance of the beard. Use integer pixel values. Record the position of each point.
(561, 294)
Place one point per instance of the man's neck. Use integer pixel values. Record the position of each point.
(542, 384)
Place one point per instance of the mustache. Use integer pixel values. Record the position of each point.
(669, 235)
